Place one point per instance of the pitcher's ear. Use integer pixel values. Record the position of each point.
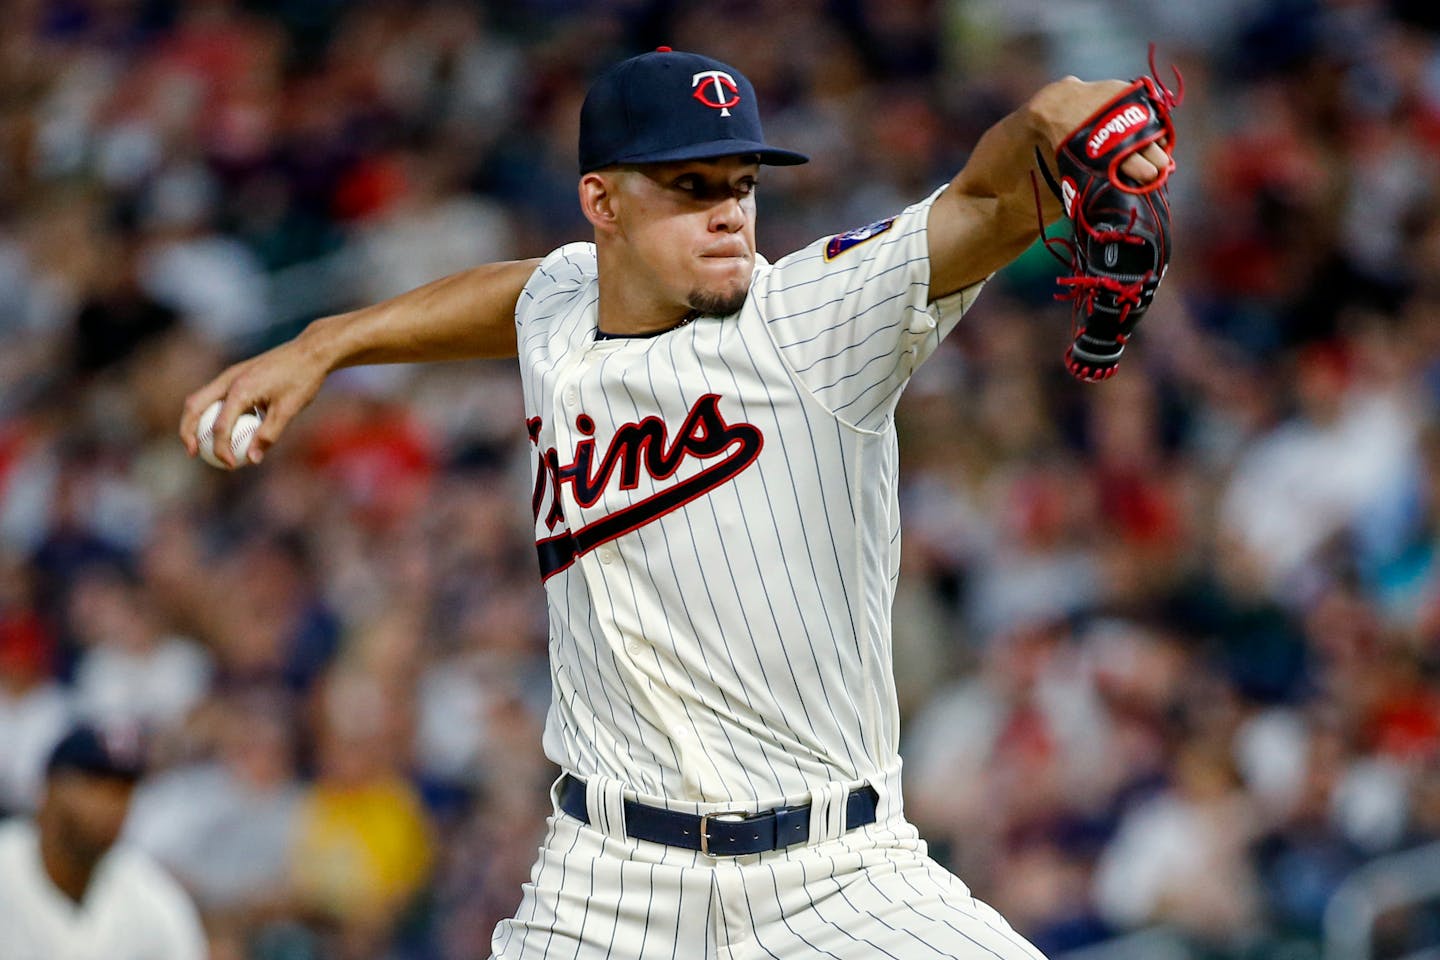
(598, 194)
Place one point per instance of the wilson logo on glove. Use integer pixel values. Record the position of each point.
(1113, 128)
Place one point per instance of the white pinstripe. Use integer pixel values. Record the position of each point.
(732, 650)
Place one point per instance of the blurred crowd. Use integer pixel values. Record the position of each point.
(1167, 648)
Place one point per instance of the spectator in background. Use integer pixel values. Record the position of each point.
(429, 228)
(362, 846)
(1321, 472)
(69, 890)
(35, 710)
(264, 615)
(131, 672)
(212, 279)
(1182, 857)
(225, 825)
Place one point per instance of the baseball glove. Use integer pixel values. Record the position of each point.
(1119, 248)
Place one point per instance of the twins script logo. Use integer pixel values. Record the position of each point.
(704, 436)
(716, 89)
(1114, 127)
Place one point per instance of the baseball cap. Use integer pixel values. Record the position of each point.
(668, 105)
(88, 750)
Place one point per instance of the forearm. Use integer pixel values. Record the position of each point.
(988, 215)
(464, 316)
(459, 317)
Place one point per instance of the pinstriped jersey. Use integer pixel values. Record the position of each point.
(716, 519)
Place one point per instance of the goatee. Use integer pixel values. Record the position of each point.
(710, 304)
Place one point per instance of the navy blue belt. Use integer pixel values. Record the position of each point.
(738, 833)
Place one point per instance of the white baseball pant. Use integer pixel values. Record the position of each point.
(869, 893)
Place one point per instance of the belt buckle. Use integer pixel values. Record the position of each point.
(705, 819)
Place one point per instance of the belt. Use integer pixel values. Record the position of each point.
(716, 837)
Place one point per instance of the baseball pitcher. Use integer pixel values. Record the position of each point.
(714, 502)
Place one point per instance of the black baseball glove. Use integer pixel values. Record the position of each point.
(1120, 245)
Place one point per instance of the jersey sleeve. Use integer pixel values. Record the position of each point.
(560, 275)
(852, 317)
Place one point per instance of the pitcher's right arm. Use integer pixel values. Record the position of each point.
(464, 316)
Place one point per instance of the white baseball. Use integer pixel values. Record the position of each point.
(245, 426)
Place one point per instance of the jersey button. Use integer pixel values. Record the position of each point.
(634, 647)
(607, 555)
(572, 397)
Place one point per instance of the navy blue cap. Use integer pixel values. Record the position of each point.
(103, 754)
(666, 106)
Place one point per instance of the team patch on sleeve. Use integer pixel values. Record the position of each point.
(853, 238)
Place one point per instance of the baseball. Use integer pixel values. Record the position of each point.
(245, 426)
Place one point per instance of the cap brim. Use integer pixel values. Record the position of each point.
(715, 149)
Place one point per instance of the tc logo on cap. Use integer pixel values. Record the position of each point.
(717, 84)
